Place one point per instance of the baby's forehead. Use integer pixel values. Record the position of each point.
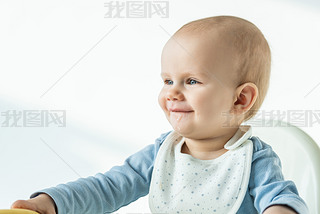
(204, 53)
(231, 38)
(212, 42)
(213, 45)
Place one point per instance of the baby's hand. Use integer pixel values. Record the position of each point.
(42, 204)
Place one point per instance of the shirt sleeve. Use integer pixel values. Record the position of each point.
(106, 193)
(267, 185)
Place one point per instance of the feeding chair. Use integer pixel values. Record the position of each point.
(299, 154)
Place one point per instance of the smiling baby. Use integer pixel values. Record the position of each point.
(216, 74)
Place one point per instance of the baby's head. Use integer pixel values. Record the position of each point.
(216, 71)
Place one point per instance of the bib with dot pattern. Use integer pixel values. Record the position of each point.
(183, 184)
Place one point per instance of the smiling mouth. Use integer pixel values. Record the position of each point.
(180, 111)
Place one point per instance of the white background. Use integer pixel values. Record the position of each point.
(105, 73)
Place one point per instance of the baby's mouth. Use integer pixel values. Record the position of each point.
(180, 110)
(178, 114)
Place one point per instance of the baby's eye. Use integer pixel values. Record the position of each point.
(192, 82)
(168, 82)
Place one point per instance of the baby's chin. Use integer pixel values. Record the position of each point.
(182, 130)
(181, 122)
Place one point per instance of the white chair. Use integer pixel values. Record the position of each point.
(299, 154)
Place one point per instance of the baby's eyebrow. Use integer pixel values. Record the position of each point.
(166, 74)
(163, 74)
(195, 74)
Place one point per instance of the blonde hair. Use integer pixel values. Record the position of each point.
(253, 55)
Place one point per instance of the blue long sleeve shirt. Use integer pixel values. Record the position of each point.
(121, 185)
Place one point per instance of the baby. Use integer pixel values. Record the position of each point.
(215, 72)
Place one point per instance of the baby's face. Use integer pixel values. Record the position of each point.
(197, 73)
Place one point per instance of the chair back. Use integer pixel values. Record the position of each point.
(299, 155)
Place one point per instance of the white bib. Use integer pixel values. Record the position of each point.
(183, 184)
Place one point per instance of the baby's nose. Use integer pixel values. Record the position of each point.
(174, 94)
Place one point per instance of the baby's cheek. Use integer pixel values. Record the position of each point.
(162, 100)
(210, 110)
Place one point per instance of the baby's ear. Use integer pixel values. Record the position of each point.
(245, 96)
